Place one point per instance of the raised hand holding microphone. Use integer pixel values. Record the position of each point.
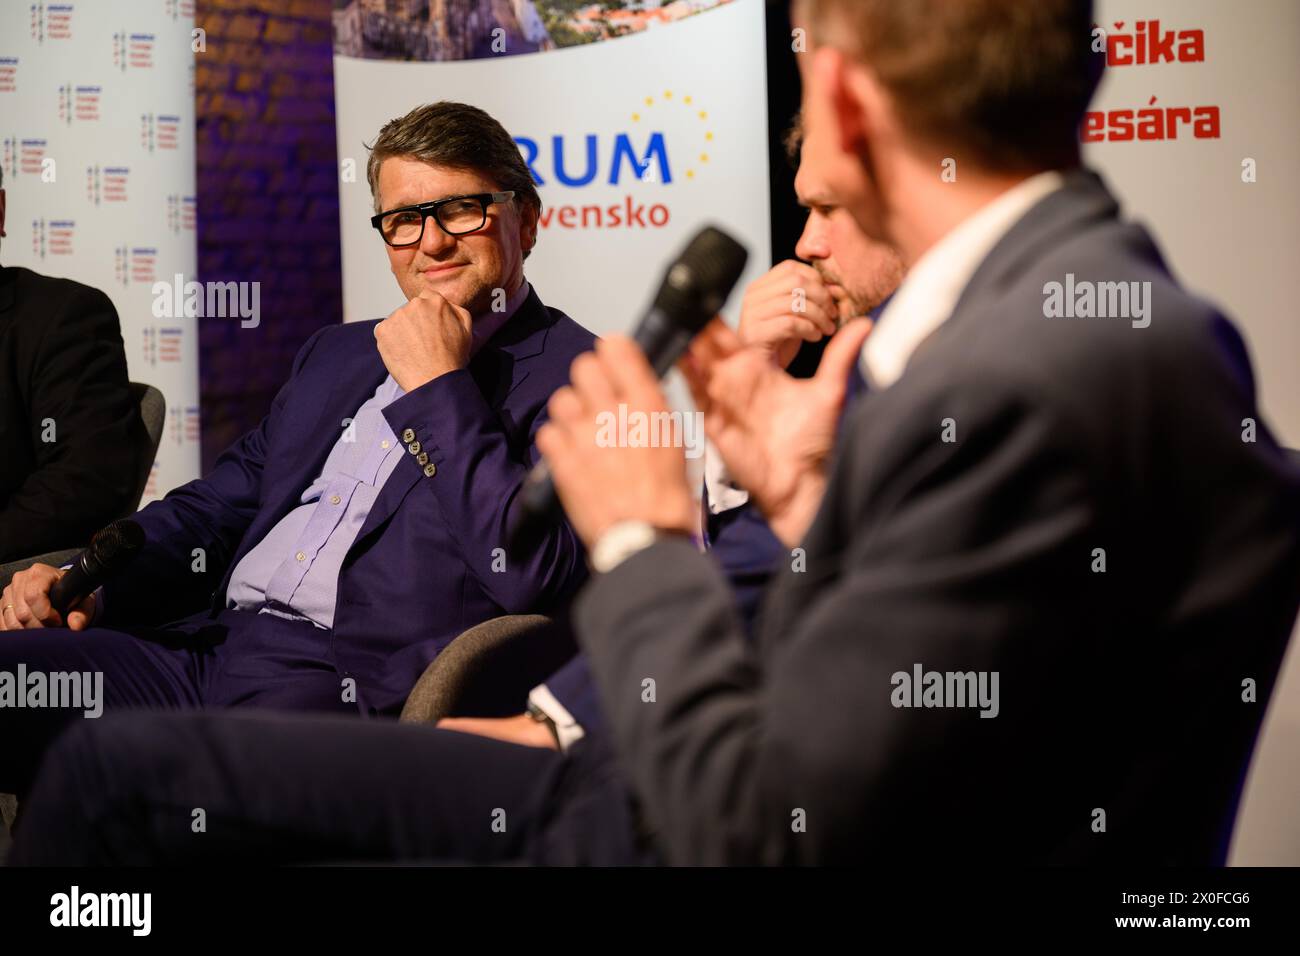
(775, 433)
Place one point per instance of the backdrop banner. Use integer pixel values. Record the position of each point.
(97, 128)
(1194, 127)
(641, 122)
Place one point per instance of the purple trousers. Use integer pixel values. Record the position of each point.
(53, 677)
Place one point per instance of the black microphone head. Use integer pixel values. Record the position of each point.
(698, 283)
(114, 545)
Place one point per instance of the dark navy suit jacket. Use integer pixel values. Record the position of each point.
(425, 565)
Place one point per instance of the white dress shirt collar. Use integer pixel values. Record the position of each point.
(930, 292)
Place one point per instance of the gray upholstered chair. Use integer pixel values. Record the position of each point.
(488, 670)
(153, 411)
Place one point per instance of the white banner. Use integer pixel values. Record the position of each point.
(1195, 127)
(636, 139)
(97, 127)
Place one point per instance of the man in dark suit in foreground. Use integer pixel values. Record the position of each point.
(336, 549)
(1049, 574)
(1052, 570)
(70, 433)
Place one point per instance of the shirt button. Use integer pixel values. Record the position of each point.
(408, 435)
(422, 458)
(413, 448)
(385, 443)
(430, 470)
(300, 556)
(335, 499)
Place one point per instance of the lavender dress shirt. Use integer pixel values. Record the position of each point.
(294, 571)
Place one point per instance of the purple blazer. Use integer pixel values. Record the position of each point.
(424, 566)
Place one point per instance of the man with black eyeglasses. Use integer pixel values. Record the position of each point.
(337, 548)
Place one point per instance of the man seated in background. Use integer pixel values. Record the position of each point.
(71, 439)
(335, 549)
(844, 274)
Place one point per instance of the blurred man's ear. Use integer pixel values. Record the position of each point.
(842, 81)
(2, 212)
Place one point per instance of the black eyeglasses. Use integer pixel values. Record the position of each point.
(456, 215)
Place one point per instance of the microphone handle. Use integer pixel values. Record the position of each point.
(662, 341)
(68, 590)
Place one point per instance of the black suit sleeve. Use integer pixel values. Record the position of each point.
(949, 555)
(78, 397)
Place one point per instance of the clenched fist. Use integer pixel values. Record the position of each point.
(26, 602)
(423, 339)
(784, 308)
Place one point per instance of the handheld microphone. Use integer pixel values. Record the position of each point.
(111, 549)
(693, 290)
